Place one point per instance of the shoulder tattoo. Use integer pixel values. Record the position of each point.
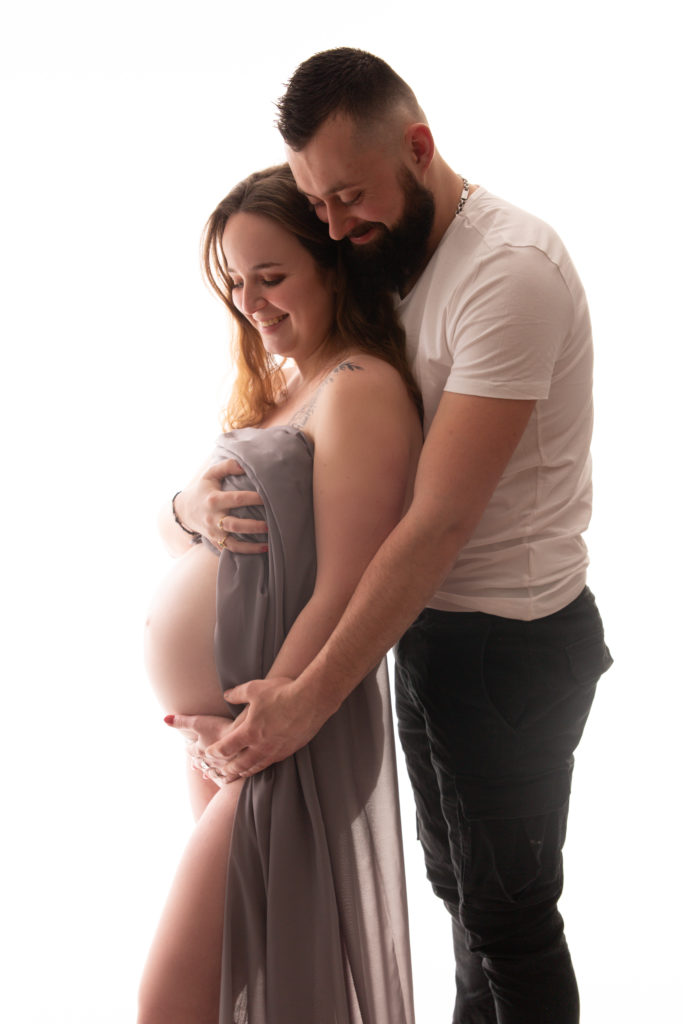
(301, 417)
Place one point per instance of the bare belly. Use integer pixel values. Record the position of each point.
(179, 637)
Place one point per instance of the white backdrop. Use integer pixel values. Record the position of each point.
(122, 126)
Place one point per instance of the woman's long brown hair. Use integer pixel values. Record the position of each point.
(364, 319)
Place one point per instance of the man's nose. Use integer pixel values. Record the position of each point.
(339, 223)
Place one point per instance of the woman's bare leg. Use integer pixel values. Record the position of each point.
(181, 980)
(202, 791)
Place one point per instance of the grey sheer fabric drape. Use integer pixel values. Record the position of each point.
(316, 928)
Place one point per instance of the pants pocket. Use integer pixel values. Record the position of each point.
(588, 658)
(512, 839)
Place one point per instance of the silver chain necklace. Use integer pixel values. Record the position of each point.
(464, 196)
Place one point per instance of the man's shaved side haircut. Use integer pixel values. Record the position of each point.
(341, 81)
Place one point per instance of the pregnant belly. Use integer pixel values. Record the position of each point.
(179, 637)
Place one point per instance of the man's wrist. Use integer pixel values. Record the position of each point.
(325, 684)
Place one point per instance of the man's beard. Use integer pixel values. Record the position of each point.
(399, 253)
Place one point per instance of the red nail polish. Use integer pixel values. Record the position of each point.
(170, 719)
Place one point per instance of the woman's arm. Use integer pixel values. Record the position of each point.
(367, 439)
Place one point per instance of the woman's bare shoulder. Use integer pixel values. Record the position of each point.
(360, 372)
(360, 391)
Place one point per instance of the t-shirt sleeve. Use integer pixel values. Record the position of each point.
(507, 336)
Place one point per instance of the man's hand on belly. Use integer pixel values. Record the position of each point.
(277, 721)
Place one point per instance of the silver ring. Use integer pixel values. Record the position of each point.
(204, 766)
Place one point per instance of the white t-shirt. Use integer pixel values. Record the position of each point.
(500, 312)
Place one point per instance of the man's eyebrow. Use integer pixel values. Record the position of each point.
(341, 186)
(257, 266)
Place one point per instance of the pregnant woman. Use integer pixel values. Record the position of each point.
(289, 903)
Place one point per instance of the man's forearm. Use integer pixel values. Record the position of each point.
(466, 450)
(284, 714)
(398, 583)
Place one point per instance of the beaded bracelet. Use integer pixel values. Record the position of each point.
(193, 533)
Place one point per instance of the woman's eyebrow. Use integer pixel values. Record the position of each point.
(257, 266)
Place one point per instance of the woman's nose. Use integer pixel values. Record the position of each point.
(252, 299)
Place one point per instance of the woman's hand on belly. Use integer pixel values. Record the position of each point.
(200, 733)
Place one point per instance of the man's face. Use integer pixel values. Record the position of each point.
(368, 197)
(400, 253)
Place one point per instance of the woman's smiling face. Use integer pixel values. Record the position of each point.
(278, 286)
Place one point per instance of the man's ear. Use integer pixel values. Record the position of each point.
(420, 143)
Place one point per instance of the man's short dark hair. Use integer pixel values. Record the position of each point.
(341, 81)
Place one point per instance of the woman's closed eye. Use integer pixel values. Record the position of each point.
(266, 282)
